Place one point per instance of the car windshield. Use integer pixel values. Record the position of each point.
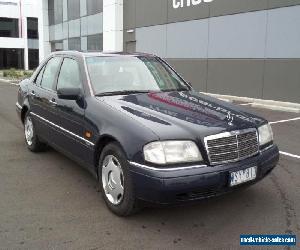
(117, 75)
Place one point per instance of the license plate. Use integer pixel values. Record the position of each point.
(242, 176)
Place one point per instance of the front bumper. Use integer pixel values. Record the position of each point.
(197, 182)
(18, 109)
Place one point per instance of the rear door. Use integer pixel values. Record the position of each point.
(34, 100)
(41, 94)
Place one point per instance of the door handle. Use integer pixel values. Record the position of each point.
(53, 102)
(32, 93)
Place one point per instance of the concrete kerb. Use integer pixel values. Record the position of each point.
(268, 104)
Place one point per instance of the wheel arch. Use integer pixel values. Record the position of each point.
(99, 146)
(24, 110)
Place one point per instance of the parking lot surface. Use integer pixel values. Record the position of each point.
(49, 202)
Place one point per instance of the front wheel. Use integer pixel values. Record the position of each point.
(31, 139)
(115, 181)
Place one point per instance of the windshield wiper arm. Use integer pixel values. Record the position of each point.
(123, 92)
(171, 90)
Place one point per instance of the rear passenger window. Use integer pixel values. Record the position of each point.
(69, 76)
(50, 73)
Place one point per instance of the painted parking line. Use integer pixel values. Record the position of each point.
(290, 155)
(289, 120)
(246, 104)
(15, 84)
(9, 82)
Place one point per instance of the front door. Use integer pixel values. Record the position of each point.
(70, 114)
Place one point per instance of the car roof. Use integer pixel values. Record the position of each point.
(101, 53)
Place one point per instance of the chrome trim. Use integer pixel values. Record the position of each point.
(18, 106)
(54, 103)
(267, 148)
(230, 144)
(229, 134)
(63, 129)
(166, 169)
(88, 77)
(234, 151)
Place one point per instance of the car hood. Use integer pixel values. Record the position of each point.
(182, 115)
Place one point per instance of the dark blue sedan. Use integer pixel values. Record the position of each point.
(141, 130)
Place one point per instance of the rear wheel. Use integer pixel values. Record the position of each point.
(115, 181)
(31, 139)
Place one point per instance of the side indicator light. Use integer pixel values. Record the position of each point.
(88, 134)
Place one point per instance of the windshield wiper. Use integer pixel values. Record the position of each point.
(123, 92)
(171, 90)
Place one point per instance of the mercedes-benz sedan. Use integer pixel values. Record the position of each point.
(142, 130)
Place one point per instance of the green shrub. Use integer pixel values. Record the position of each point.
(16, 74)
(28, 74)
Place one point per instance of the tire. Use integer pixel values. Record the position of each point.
(31, 139)
(113, 172)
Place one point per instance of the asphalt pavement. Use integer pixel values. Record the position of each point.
(49, 202)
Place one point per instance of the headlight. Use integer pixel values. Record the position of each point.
(167, 152)
(265, 134)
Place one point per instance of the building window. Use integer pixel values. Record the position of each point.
(94, 6)
(73, 9)
(11, 58)
(9, 27)
(33, 58)
(32, 28)
(51, 11)
(95, 42)
(57, 46)
(75, 44)
(55, 8)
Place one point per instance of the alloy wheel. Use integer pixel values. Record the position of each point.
(113, 179)
(28, 130)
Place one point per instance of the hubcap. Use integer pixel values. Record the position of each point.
(28, 130)
(113, 179)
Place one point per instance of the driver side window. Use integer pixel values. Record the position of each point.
(69, 76)
(50, 73)
(39, 78)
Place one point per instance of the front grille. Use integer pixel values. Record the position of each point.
(232, 146)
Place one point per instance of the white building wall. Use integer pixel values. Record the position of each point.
(30, 8)
(110, 23)
(20, 9)
(44, 44)
(11, 43)
(11, 9)
(113, 25)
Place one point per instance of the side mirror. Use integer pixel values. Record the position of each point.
(69, 94)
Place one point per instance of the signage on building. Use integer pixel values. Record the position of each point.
(188, 3)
